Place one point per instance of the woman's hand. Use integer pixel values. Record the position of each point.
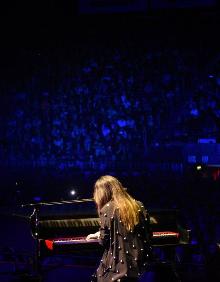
(93, 236)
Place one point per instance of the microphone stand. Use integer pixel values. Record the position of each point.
(35, 219)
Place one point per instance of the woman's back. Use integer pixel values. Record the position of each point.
(126, 251)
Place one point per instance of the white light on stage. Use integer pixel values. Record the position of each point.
(73, 192)
(199, 167)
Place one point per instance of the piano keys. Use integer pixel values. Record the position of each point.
(52, 244)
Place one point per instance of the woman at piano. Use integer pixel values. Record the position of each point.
(124, 232)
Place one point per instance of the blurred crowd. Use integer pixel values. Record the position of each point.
(103, 105)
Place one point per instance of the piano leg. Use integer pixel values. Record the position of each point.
(164, 267)
(175, 273)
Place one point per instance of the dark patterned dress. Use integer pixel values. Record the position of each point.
(126, 252)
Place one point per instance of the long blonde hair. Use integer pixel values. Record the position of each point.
(109, 188)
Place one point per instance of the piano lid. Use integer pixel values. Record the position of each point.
(164, 219)
(65, 211)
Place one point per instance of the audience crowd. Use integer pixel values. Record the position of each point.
(103, 107)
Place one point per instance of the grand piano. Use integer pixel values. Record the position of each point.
(62, 227)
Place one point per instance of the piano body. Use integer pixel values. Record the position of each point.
(63, 229)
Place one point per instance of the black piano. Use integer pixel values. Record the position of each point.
(62, 228)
